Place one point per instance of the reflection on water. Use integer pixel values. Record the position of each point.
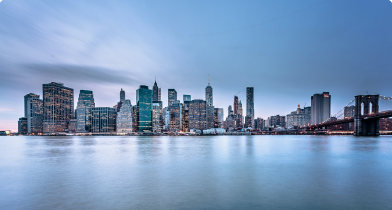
(205, 172)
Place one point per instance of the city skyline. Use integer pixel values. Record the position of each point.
(287, 51)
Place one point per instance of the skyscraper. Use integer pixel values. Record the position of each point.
(210, 106)
(229, 110)
(250, 108)
(155, 92)
(172, 96)
(83, 111)
(122, 95)
(321, 107)
(103, 120)
(35, 111)
(26, 98)
(58, 102)
(218, 117)
(144, 108)
(197, 114)
(175, 111)
(22, 125)
(157, 121)
(235, 105)
(209, 95)
(124, 121)
(187, 98)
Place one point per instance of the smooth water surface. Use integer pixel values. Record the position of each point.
(207, 172)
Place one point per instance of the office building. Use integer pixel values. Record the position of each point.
(172, 97)
(176, 114)
(83, 111)
(197, 114)
(166, 118)
(125, 121)
(26, 99)
(103, 120)
(300, 117)
(321, 107)
(144, 109)
(218, 117)
(22, 125)
(122, 98)
(35, 110)
(235, 105)
(187, 98)
(157, 122)
(156, 92)
(230, 110)
(259, 124)
(248, 122)
(58, 102)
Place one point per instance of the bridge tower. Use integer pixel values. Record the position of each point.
(364, 125)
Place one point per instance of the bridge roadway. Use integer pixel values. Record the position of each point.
(378, 115)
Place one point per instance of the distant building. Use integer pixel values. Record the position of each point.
(175, 111)
(300, 117)
(250, 107)
(349, 111)
(122, 98)
(248, 122)
(22, 126)
(144, 108)
(58, 102)
(35, 111)
(26, 99)
(276, 121)
(321, 108)
(218, 117)
(197, 115)
(235, 105)
(166, 118)
(157, 116)
(259, 124)
(103, 120)
(385, 124)
(83, 111)
(156, 92)
(185, 117)
(187, 98)
(230, 110)
(72, 126)
(172, 96)
(125, 121)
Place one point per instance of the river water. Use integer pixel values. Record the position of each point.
(196, 172)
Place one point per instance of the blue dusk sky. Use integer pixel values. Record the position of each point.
(287, 50)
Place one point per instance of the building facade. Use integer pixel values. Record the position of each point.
(157, 122)
(83, 111)
(22, 125)
(197, 114)
(349, 111)
(35, 111)
(321, 108)
(144, 109)
(187, 98)
(103, 120)
(176, 114)
(58, 103)
(26, 99)
(125, 121)
(250, 107)
(172, 96)
(218, 117)
(300, 117)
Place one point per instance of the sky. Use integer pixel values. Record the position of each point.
(287, 50)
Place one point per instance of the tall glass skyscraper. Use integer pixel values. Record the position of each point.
(321, 107)
(58, 102)
(26, 99)
(172, 97)
(210, 106)
(122, 95)
(156, 92)
(235, 105)
(144, 108)
(83, 111)
(157, 120)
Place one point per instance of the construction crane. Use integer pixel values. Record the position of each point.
(237, 93)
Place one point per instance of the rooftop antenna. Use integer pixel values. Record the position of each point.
(208, 79)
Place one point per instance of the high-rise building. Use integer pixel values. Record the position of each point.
(321, 107)
(155, 92)
(166, 118)
(248, 122)
(26, 99)
(250, 107)
(259, 124)
(122, 95)
(197, 114)
(218, 118)
(172, 97)
(230, 110)
(210, 105)
(235, 105)
(157, 116)
(209, 95)
(83, 111)
(34, 117)
(103, 120)
(58, 102)
(300, 117)
(144, 108)
(175, 111)
(22, 126)
(124, 121)
(349, 111)
(187, 98)
(240, 108)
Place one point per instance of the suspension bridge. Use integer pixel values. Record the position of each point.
(362, 114)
